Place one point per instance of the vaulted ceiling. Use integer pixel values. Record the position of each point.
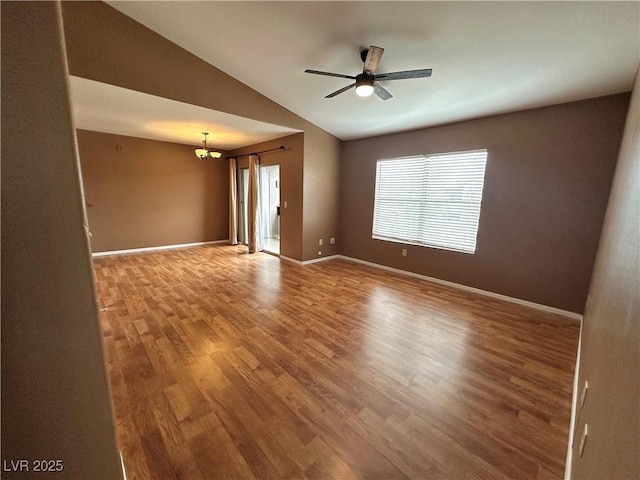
(487, 57)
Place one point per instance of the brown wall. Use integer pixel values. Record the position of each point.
(321, 194)
(547, 180)
(55, 395)
(146, 193)
(290, 161)
(119, 51)
(610, 342)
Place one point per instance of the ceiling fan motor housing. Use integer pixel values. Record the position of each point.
(364, 79)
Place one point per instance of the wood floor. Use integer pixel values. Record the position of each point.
(229, 365)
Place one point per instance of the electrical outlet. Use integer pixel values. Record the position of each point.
(319, 253)
(320, 242)
(580, 406)
(285, 204)
(404, 252)
(332, 240)
(583, 440)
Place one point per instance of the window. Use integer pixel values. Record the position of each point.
(431, 200)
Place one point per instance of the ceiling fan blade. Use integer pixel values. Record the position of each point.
(338, 92)
(425, 72)
(373, 57)
(329, 74)
(382, 92)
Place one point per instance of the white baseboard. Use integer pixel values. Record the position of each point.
(290, 260)
(309, 262)
(153, 249)
(321, 259)
(574, 412)
(563, 313)
(124, 471)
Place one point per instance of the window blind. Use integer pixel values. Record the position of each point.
(431, 200)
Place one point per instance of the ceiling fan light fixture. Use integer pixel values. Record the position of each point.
(364, 85)
(364, 90)
(203, 153)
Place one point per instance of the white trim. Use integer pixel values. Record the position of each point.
(574, 409)
(564, 313)
(290, 260)
(309, 262)
(124, 472)
(321, 259)
(153, 249)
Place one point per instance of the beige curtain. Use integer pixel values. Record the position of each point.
(233, 201)
(253, 206)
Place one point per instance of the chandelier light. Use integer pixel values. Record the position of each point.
(203, 153)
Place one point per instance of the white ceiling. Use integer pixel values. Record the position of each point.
(487, 57)
(106, 108)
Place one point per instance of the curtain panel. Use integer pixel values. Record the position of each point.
(253, 206)
(233, 201)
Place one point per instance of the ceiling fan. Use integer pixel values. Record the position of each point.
(366, 82)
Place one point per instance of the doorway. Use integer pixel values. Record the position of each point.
(270, 208)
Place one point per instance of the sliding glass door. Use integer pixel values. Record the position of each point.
(270, 208)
